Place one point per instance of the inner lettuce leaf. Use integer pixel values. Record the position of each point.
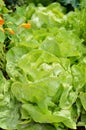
(79, 78)
(39, 64)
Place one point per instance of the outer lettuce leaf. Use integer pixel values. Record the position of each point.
(60, 116)
(79, 78)
(47, 88)
(37, 127)
(50, 16)
(12, 58)
(9, 116)
(69, 47)
(68, 97)
(61, 44)
(82, 98)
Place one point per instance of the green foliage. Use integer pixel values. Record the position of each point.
(74, 3)
(2, 57)
(77, 21)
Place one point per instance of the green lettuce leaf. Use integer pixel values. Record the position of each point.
(82, 98)
(12, 58)
(9, 116)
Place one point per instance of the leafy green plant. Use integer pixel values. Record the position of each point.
(46, 64)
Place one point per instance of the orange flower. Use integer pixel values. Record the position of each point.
(10, 31)
(1, 21)
(26, 25)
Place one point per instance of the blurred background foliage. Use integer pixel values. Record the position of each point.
(68, 3)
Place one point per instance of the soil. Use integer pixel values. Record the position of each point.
(79, 128)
